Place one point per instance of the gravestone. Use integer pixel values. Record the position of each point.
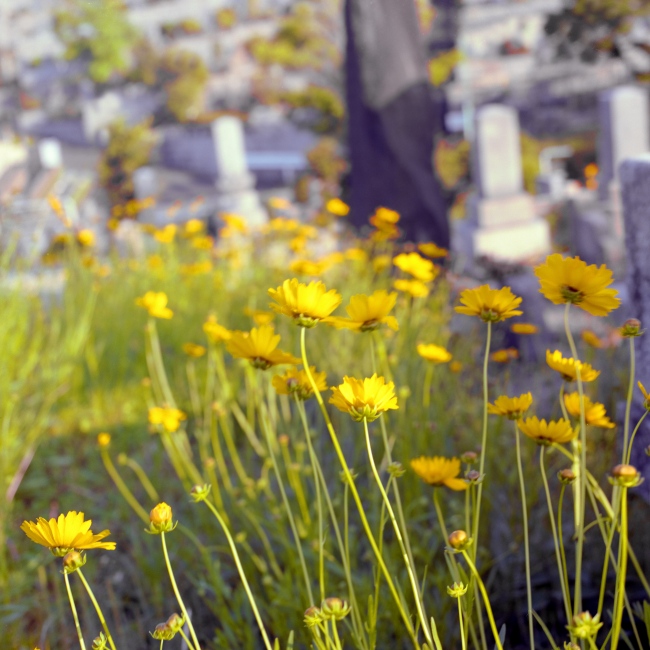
(97, 114)
(634, 175)
(145, 183)
(504, 223)
(236, 185)
(49, 153)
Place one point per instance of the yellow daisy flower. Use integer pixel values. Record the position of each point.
(234, 223)
(384, 217)
(202, 242)
(155, 302)
(570, 280)
(66, 533)
(490, 305)
(295, 382)
(505, 355)
(215, 332)
(368, 313)
(439, 471)
(259, 347)
(430, 249)
(382, 262)
(567, 367)
(166, 417)
(193, 350)
(414, 288)
(307, 304)
(356, 255)
(165, 235)
(511, 407)
(86, 238)
(415, 265)
(259, 316)
(434, 353)
(592, 339)
(524, 328)
(337, 207)
(595, 414)
(364, 398)
(546, 433)
(307, 267)
(193, 227)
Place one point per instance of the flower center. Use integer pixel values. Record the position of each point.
(572, 295)
(490, 316)
(370, 325)
(261, 363)
(303, 320)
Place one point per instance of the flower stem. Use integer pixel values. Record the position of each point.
(619, 593)
(355, 494)
(122, 487)
(524, 514)
(636, 428)
(98, 609)
(74, 612)
(181, 604)
(398, 534)
(560, 539)
(462, 629)
(628, 404)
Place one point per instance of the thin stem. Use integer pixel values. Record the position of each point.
(565, 595)
(242, 575)
(462, 629)
(177, 593)
(524, 514)
(608, 546)
(628, 405)
(355, 494)
(636, 428)
(560, 537)
(143, 478)
(486, 600)
(122, 487)
(74, 612)
(426, 389)
(619, 593)
(98, 609)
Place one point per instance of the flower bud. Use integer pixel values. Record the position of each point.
(163, 632)
(72, 561)
(335, 608)
(283, 440)
(469, 457)
(100, 642)
(569, 645)
(566, 476)
(313, 616)
(200, 492)
(396, 469)
(473, 476)
(459, 540)
(647, 450)
(626, 476)
(160, 519)
(584, 625)
(103, 440)
(457, 590)
(631, 328)
(175, 622)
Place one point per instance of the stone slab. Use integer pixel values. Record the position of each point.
(492, 213)
(514, 242)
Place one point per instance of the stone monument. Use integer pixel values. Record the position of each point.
(97, 114)
(236, 185)
(503, 222)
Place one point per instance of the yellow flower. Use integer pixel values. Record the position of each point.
(337, 207)
(259, 347)
(570, 280)
(364, 398)
(202, 242)
(524, 328)
(356, 254)
(414, 288)
(197, 268)
(169, 418)
(193, 227)
(434, 353)
(307, 304)
(66, 533)
(511, 407)
(156, 304)
(420, 268)
(103, 440)
(546, 433)
(381, 262)
(193, 350)
(307, 267)
(490, 305)
(567, 367)
(367, 313)
(592, 339)
(439, 471)
(279, 203)
(155, 262)
(234, 222)
(165, 235)
(295, 382)
(505, 356)
(86, 238)
(161, 519)
(215, 332)
(430, 249)
(259, 316)
(595, 414)
(384, 217)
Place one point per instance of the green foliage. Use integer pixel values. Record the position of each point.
(325, 101)
(99, 30)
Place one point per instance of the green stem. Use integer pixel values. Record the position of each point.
(636, 428)
(619, 594)
(355, 493)
(159, 364)
(608, 546)
(74, 612)
(462, 629)
(628, 405)
(98, 609)
(121, 486)
(143, 478)
(560, 537)
(242, 575)
(398, 534)
(524, 514)
(177, 593)
(426, 390)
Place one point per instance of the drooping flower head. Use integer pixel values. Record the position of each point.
(364, 398)
(439, 471)
(259, 347)
(155, 302)
(569, 280)
(546, 433)
(368, 313)
(66, 533)
(567, 367)
(434, 353)
(490, 305)
(295, 382)
(417, 266)
(166, 417)
(595, 414)
(307, 304)
(511, 407)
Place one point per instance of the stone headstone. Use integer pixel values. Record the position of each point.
(97, 115)
(145, 182)
(634, 176)
(49, 153)
(235, 183)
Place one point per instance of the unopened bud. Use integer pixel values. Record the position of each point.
(469, 457)
(459, 540)
(163, 632)
(200, 492)
(457, 590)
(175, 622)
(473, 476)
(335, 608)
(313, 616)
(626, 476)
(566, 476)
(72, 561)
(160, 519)
(396, 469)
(631, 328)
(100, 642)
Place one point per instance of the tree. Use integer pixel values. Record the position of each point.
(99, 31)
(183, 75)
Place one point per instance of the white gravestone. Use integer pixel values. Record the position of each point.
(235, 183)
(49, 153)
(97, 115)
(505, 225)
